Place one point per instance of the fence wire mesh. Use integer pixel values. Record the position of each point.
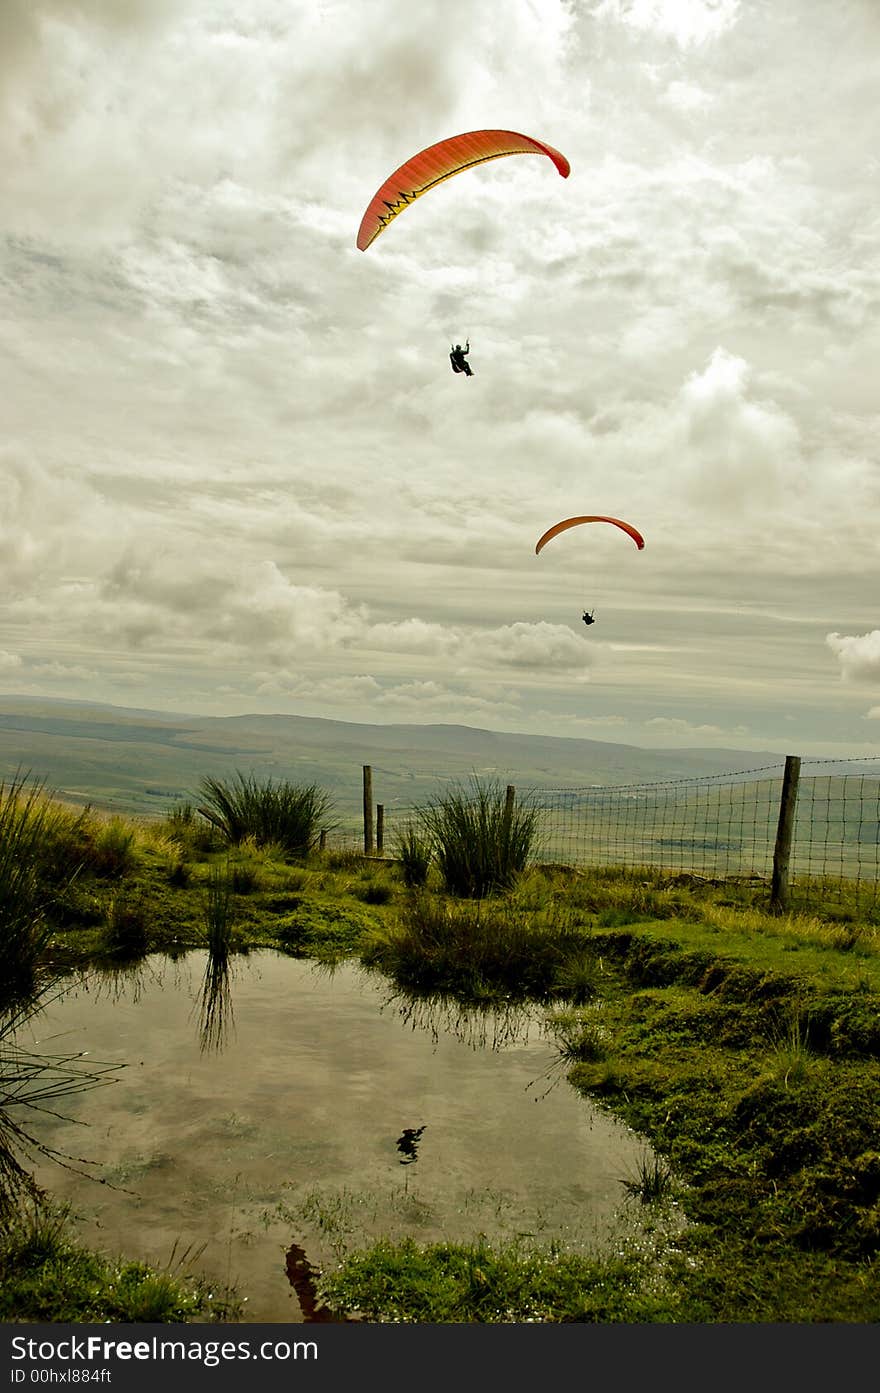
(719, 826)
(836, 843)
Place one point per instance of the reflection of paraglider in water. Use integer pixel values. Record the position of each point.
(438, 162)
(408, 1144)
(458, 359)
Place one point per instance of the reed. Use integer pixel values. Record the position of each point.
(32, 1082)
(482, 842)
(653, 1181)
(285, 815)
(24, 931)
(413, 849)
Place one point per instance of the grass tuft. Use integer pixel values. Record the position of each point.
(481, 842)
(125, 926)
(282, 814)
(24, 932)
(413, 850)
(477, 950)
(653, 1182)
(791, 1057)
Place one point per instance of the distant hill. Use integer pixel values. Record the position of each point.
(140, 761)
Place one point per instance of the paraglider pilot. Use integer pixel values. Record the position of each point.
(458, 358)
(588, 617)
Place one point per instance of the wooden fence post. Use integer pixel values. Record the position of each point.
(784, 829)
(380, 828)
(368, 810)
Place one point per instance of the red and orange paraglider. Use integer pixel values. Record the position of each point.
(441, 161)
(576, 522)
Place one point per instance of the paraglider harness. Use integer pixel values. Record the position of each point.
(588, 617)
(457, 358)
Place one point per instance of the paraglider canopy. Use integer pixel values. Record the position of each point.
(438, 162)
(576, 522)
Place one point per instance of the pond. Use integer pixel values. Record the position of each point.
(322, 1112)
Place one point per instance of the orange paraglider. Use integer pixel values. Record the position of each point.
(441, 161)
(576, 522)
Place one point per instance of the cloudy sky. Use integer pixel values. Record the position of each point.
(236, 471)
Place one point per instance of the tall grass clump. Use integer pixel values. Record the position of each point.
(791, 1057)
(652, 1183)
(24, 932)
(112, 853)
(189, 832)
(580, 1036)
(125, 926)
(482, 841)
(475, 951)
(217, 911)
(290, 816)
(414, 851)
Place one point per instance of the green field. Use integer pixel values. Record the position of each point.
(744, 1046)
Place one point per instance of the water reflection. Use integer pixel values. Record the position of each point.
(492, 1027)
(216, 1016)
(119, 981)
(304, 1105)
(32, 1085)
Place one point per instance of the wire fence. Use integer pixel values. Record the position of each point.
(721, 826)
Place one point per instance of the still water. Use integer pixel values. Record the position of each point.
(322, 1111)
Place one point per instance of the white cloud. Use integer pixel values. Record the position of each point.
(687, 96)
(688, 22)
(334, 691)
(8, 661)
(858, 655)
(426, 700)
(538, 647)
(676, 725)
(748, 449)
(411, 636)
(73, 672)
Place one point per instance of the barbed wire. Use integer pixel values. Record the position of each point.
(715, 825)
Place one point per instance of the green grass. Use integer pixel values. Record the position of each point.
(448, 1283)
(479, 949)
(126, 920)
(745, 1047)
(45, 1275)
(579, 1035)
(192, 835)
